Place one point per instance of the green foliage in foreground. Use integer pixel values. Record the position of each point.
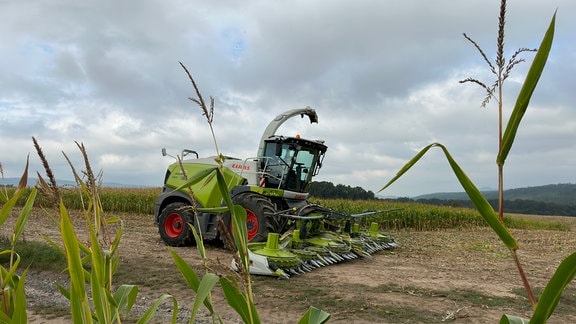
(12, 294)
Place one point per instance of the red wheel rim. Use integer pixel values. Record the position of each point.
(251, 224)
(174, 225)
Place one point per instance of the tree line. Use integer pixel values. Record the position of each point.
(516, 206)
(327, 190)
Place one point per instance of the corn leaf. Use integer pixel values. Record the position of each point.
(24, 179)
(553, 291)
(96, 256)
(65, 292)
(113, 220)
(237, 301)
(238, 214)
(149, 314)
(101, 308)
(204, 289)
(9, 206)
(20, 314)
(207, 180)
(111, 300)
(238, 219)
(314, 316)
(509, 319)
(196, 177)
(479, 201)
(199, 242)
(186, 270)
(54, 244)
(407, 166)
(79, 303)
(24, 213)
(125, 297)
(8, 276)
(215, 210)
(223, 188)
(114, 262)
(116, 241)
(84, 248)
(4, 317)
(189, 275)
(526, 93)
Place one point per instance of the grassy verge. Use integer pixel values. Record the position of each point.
(38, 255)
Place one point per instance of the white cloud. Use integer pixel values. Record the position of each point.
(383, 77)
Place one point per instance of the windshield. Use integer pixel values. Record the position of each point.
(291, 165)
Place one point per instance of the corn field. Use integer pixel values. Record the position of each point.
(122, 200)
(396, 215)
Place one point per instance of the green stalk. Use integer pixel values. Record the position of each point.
(238, 218)
(514, 123)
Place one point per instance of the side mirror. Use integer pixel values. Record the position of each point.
(164, 151)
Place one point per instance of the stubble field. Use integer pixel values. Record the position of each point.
(459, 276)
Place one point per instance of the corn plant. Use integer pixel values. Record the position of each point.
(240, 299)
(12, 295)
(237, 289)
(94, 263)
(501, 70)
(544, 307)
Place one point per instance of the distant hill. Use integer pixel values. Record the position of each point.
(557, 199)
(562, 194)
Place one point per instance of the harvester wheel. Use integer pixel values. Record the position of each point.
(258, 208)
(174, 224)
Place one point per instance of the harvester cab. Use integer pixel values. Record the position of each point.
(287, 234)
(289, 163)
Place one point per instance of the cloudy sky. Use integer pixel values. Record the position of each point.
(382, 75)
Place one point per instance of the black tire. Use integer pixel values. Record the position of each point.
(174, 224)
(259, 221)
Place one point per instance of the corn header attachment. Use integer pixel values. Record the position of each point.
(316, 240)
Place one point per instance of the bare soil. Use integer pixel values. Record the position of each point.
(460, 276)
